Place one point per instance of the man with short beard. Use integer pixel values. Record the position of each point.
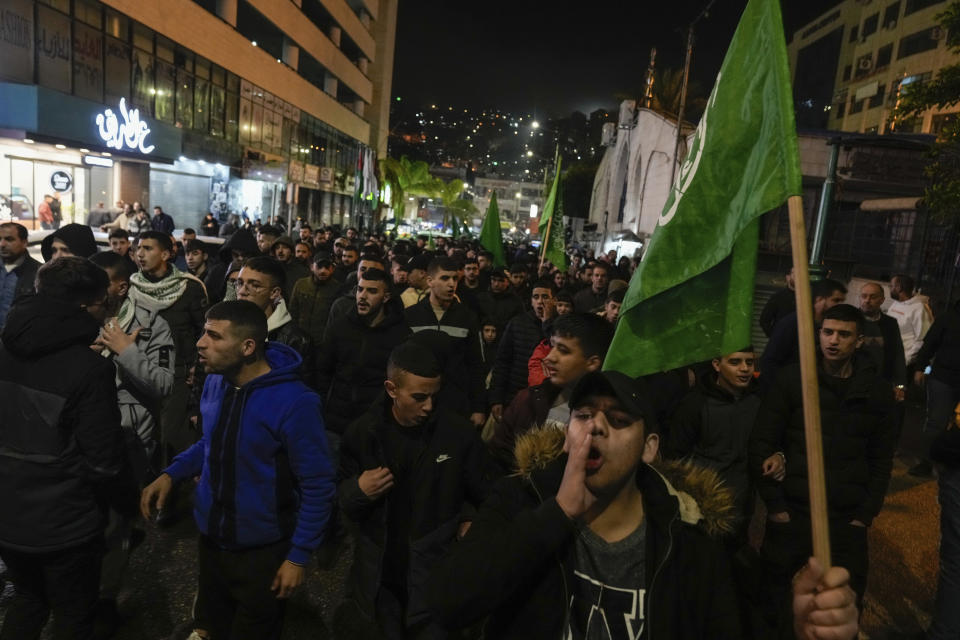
(180, 299)
(522, 335)
(19, 269)
(881, 338)
(348, 292)
(197, 257)
(312, 297)
(591, 300)
(293, 269)
(354, 352)
(303, 252)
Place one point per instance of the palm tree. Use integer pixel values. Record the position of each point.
(407, 178)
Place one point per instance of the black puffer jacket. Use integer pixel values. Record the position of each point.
(510, 371)
(451, 478)
(352, 363)
(859, 436)
(499, 308)
(711, 427)
(61, 444)
(942, 345)
(518, 558)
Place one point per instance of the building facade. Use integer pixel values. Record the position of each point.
(852, 63)
(519, 203)
(263, 107)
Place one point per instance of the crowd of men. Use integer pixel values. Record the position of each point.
(447, 416)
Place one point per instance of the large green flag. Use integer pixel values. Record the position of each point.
(491, 237)
(551, 233)
(691, 297)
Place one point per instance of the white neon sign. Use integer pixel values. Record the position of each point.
(131, 133)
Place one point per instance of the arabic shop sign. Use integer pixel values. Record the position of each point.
(130, 134)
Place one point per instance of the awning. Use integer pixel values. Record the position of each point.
(890, 204)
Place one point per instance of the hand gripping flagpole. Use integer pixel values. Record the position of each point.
(811, 392)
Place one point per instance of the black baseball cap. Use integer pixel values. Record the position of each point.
(498, 272)
(630, 393)
(421, 261)
(322, 257)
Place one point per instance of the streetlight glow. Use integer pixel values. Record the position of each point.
(535, 125)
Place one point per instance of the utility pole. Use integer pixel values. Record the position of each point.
(683, 90)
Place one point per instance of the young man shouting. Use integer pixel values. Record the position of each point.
(590, 541)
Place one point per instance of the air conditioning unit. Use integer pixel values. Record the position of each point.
(865, 64)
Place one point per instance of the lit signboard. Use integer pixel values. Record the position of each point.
(130, 134)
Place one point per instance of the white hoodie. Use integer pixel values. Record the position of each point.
(914, 319)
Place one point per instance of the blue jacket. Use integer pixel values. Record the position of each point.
(264, 466)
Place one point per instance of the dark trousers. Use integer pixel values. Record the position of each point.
(786, 549)
(234, 600)
(946, 613)
(62, 582)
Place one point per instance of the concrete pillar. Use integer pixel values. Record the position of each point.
(363, 64)
(330, 84)
(334, 33)
(291, 53)
(227, 10)
(358, 107)
(365, 19)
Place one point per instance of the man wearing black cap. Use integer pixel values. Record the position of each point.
(590, 541)
(294, 270)
(417, 279)
(312, 297)
(500, 304)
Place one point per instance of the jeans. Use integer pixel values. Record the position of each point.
(64, 582)
(946, 612)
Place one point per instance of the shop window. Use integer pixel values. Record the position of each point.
(184, 60)
(218, 76)
(870, 25)
(53, 49)
(256, 125)
(117, 25)
(918, 42)
(184, 99)
(233, 82)
(232, 117)
(201, 68)
(117, 70)
(141, 69)
(164, 49)
(246, 120)
(87, 62)
(165, 91)
(143, 38)
(88, 13)
(217, 110)
(884, 55)
(201, 105)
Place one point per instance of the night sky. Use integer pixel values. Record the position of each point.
(536, 57)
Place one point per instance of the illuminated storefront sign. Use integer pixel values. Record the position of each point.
(130, 134)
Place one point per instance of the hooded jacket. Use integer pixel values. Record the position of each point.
(500, 308)
(859, 426)
(264, 466)
(712, 428)
(78, 237)
(281, 328)
(61, 445)
(515, 564)
(352, 362)
(942, 345)
(216, 280)
(452, 472)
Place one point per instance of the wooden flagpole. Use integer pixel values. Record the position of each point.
(811, 392)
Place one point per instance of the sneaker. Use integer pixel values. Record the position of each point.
(922, 469)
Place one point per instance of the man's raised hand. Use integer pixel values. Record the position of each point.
(375, 482)
(573, 496)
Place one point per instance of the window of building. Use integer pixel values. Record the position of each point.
(884, 55)
(166, 90)
(918, 42)
(59, 5)
(143, 38)
(871, 24)
(116, 70)
(854, 33)
(142, 81)
(877, 99)
(117, 25)
(856, 106)
(184, 99)
(917, 5)
(839, 109)
(165, 49)
(939, 122)
(847, 70)
(88, 13)
(87, 61)
(891, 14)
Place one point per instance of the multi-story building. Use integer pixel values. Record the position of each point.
(852, 63)
(259, 106)
(519, 203)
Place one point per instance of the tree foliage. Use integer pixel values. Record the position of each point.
(413, 178)
(942, 193)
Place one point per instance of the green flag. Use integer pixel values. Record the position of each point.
(454, 226)
(691, 298)
(551, 233)
(490, 234)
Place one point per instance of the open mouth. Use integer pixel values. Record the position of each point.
(594, 460)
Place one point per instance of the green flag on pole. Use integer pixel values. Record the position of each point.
(454, 226)
(491, 237)
(551, 227)
(691, 298)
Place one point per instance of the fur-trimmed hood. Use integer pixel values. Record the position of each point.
(702, 497)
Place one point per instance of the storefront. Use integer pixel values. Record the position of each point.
(79, 152)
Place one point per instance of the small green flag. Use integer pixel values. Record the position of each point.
(491, 238)
(454, 226)
(691, 297)
(551, 233)
(431, 245)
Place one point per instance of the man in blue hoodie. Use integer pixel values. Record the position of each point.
(266, 482)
